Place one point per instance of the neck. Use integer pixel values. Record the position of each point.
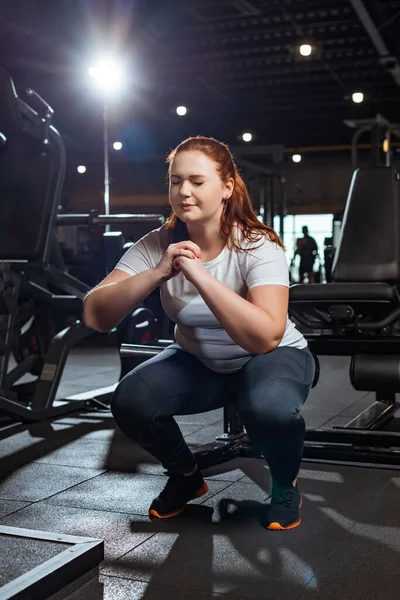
(205, 237)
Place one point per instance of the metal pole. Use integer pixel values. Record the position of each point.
(354, 142)
(375, 143)
(106, 167)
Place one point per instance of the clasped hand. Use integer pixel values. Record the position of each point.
(191, 268)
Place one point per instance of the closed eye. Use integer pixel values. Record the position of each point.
(194, 182)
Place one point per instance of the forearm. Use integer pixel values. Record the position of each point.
(248, 325)
(105, 306)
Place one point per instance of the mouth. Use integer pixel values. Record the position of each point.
(185, 206)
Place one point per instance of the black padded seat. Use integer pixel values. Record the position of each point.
(345, 292)
(364, 296)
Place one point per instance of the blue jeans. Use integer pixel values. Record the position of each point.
(269, 392)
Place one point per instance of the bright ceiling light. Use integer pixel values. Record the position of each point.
(247, 137)
(358, 97)
(117, 146)
(181, 111)
(305, 49)
(296, 158)
(107, 75)
(81, 169)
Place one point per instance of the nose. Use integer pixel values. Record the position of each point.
(185, 189)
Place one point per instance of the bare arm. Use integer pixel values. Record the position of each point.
(111, 300)
(257, 323)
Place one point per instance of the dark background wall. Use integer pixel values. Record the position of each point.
(319, 184)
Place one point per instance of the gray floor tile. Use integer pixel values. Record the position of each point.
(243, 505)
(341, 483)
(208, 418)
(243, 564)
(359, 568)
(68, 389)
(32, 437)
(205, 435)
(124, 456)
(7, 507)
(117, 453)
(116, 588)
(231, 470)
(380, 520)
(120, 493)
(20, 555)
(216, 548)
(36, 481)
(112, 527)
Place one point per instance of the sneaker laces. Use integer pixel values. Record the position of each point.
(172, 480)
(282, 495)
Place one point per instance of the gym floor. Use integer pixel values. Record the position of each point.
(78, 475)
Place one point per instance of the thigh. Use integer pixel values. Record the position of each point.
(178, 383)
(283, 377)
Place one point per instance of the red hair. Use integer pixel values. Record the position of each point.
(238, 209)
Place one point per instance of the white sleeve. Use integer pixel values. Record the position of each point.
(143, 255)
(266, 265)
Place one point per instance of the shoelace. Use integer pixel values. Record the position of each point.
(172, 481)
(285, 497)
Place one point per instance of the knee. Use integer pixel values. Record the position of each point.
(270, 415)
(130, 399)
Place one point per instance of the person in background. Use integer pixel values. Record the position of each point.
(307, 249)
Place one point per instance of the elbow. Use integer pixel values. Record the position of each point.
(89, 318)
(271, 344)
(91, 323)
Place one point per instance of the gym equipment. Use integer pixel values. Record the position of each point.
(378, 127)
(32, 166)
(113, 247)
(358, 315)
(139, 327)
(74, 556)
(37, 296)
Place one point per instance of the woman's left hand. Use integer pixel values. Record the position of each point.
(192, 268)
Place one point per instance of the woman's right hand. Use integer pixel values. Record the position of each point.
(186, 248)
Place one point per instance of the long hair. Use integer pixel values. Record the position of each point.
(238, 209)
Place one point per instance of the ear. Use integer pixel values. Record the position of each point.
(228, 188)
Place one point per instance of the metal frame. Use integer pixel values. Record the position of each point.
(19, 275)
(43, 405)
(56, 573)
(387, 60)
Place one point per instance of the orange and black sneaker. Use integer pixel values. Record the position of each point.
(178, 491)
(283, 511)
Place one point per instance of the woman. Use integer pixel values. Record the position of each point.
(224, 281)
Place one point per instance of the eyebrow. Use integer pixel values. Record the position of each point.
(190, 176)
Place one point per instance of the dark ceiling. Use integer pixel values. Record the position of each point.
(234, 63)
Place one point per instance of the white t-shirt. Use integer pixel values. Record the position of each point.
(197, 330)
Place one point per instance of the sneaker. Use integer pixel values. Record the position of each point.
(179, 490)
(283, 511)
